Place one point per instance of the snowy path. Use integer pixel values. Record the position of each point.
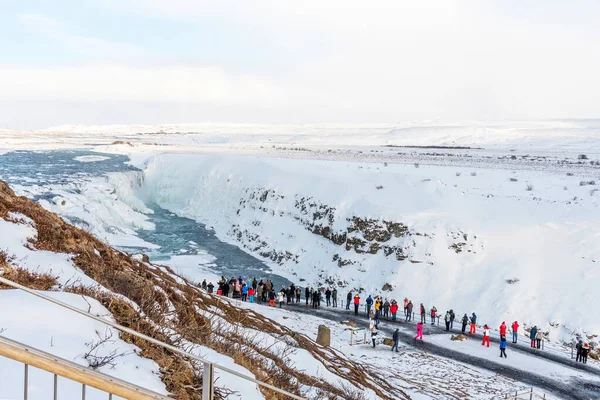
(557, 375)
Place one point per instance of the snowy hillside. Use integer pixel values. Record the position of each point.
(506, 244)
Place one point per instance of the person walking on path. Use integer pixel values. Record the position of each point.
(584, 352)
(422, 312)
(210, 287)
(419, 334)
(503, 346)
(465, 321)
(334, 297)
(394, 309)
(251, 294)
(386, 309)
(502, 329)
(280, 298)
(406, 301)
(328, 297)
(473, 328)
(539, 336)
(515, 331)
(373, 329)
(447, 320)
(532, 335)
(579, 348)
(348, 300)
(271, 298)
(452, 318)
(307, 294)
(409, 309)
(396, 338)
(486, 336)
(369, 304)
(298, 294)
(433, 315)
(356, 303)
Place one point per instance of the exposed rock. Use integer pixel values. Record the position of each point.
(387, 287)
(458, 338)
(351, 324)
(324, 336)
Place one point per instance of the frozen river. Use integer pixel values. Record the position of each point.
(46, 175)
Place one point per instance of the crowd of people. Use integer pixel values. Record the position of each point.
(376, 308)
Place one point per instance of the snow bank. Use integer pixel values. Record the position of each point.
(58, 331)
(469, 233)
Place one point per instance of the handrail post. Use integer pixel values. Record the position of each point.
(55, 387)
(26, 382)
(208, 382)
(531, 394)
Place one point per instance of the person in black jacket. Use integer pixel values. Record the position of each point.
(307, 294)
(334, 297)
(328, 297)
(465, 321)
(579, 347)
(348, 300)
(396, 338)
(210, 287)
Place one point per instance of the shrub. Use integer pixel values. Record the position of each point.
(585, 183)
(569, 174)
(416, 165)
(529, 188)
(473, 173)
(582, 157)
(513, 179)
(379, 187)
(458, 174)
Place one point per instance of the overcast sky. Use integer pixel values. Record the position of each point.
(152, 61)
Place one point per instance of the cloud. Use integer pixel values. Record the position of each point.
(385, 61)
(108, 82)
(92, 47)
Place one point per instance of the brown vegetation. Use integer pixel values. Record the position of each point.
(155, 301)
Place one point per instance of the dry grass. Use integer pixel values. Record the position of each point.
(155, 301)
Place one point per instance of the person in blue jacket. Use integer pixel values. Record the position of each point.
(369, 304)
(244, 292)
(503, 346)
(532, 335)
(473, 328)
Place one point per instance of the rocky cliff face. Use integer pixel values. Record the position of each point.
(348, 243)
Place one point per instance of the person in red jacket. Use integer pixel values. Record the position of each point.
(251, 294)
(515, 331)
(486, 336)
(356, 303)
(503, 329)
(394, 309)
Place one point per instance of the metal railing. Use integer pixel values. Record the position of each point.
(525, 395)
(88, 377)
(209, 367)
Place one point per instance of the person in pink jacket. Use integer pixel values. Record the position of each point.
(419, 334)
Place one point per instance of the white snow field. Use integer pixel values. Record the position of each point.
(498, 219)
(55, 330)
(471, 231)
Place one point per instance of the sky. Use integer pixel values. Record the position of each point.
(309, 61)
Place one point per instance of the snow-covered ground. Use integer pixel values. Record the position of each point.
(507, 225)
(50, 328)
